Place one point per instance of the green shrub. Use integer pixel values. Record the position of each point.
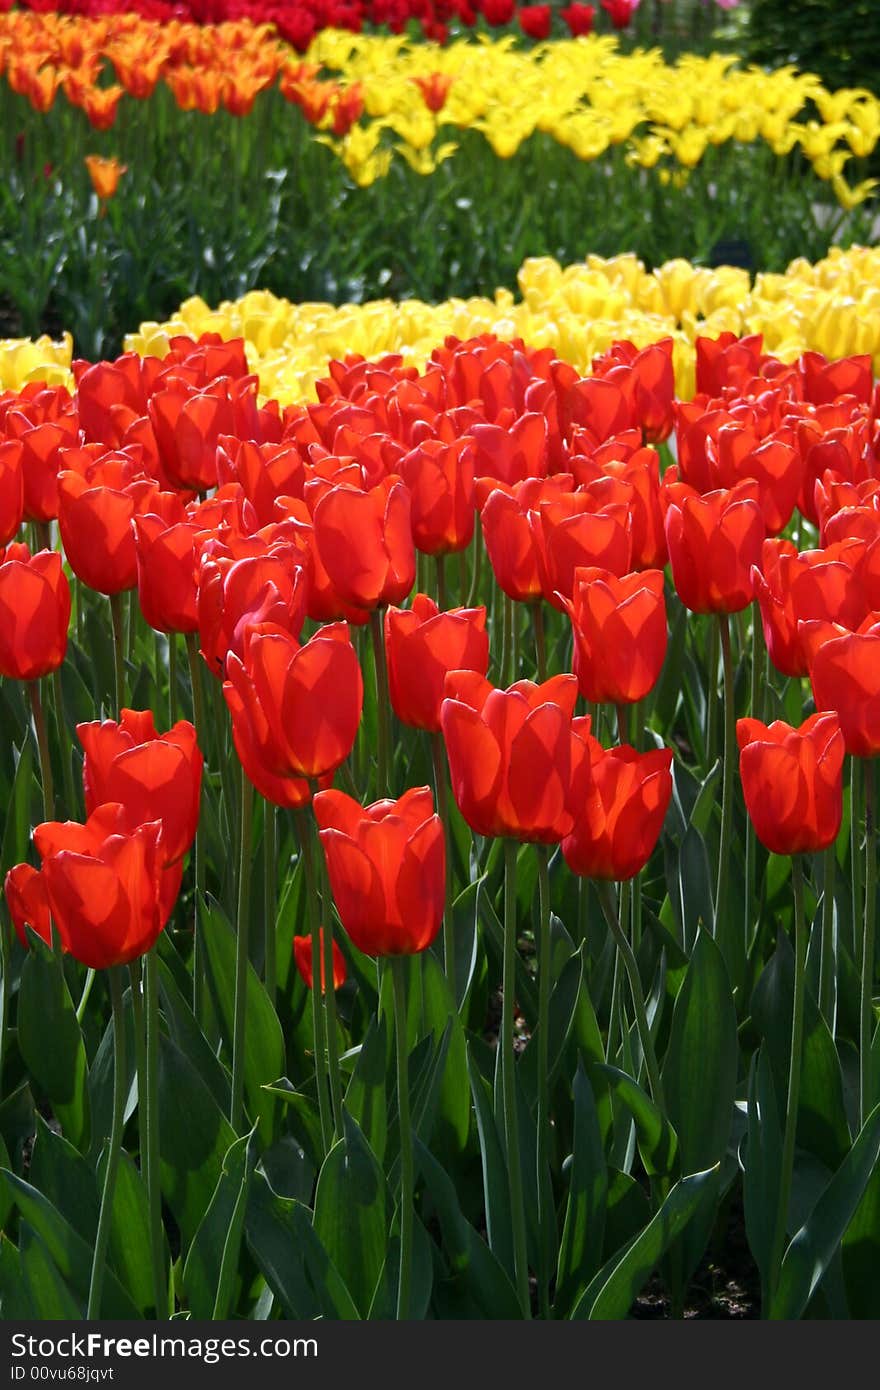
(839, 42)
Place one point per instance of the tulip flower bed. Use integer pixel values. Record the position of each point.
(380, 165)
(439, 836)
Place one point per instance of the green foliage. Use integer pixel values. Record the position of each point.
(839, 42)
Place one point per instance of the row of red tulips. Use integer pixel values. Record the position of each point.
(236, 522)
(298, 23)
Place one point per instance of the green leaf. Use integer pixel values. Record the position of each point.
(47, 1291)
(763, 1163)
(480, 1275)
(384, 1305)
(264, 1041)
(817, 1241)
(582, 1234)
(17, 818)
(291, 1257)
(563, 1002)
(352, 1210)
(51, 1043)
(188, 1036)
(194, 1136)
(60, 1172)
(612, 1291)
(657, 1140)
(303, 1118)
(861, 1254)
(465, 911)
(15, 1302)
(496, 1189)
(699, 1069)
(70, 1253)
(822, 1124)
(130, 1248)
(453, 1103)
(217, 1242)
(365, 1098)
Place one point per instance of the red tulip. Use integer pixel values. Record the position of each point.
(166, 561)
(713, 542)
(793, 586)
(591, 527)
(845, 676)
(423, 645)
(364, 540)
(518, 761)
(510, 540)
(34, 613)
(188, 422)
(40, 444)
(11, 489)
(618, 824)
(302, 954)
(647, 377)
(295, 709)
(579, 18)
(727, 361)
(792, 781)
(156, 777)
(103, 884)
(440, 478)
(387, 868)
(235, 594)
(619, 628)
(536, 21)
(98, 496)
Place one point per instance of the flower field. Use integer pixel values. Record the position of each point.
(440, 730)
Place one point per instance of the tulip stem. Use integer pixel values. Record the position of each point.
(407, 1178)
(195, 679)
(154, 1194)
(43, 750)
(439, 760)
(630, 965)
(545, 1215)
(724, 848)
(540, 639)
(236, 1107)
(506, 639)
(270, 851)
(508, 1081)
(794, 1072)
(61, 727)
(145, 1007)
(120, 1076)
(383, 730)
(118, 622)
(303, 825)
(866, 1014)
(474, 590)
(329, 993)
(172, 677)
(84, 997)
(440, 561)
(827, 970)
